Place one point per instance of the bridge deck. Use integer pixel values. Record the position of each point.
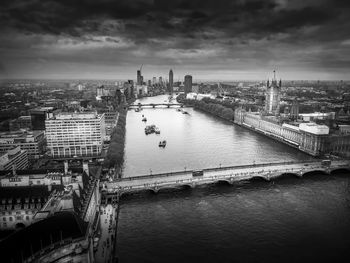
(211, 175)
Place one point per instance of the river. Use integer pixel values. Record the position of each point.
(287, 220)
(194, 141)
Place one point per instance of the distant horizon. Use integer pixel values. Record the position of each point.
(223, 40)
(195, 80)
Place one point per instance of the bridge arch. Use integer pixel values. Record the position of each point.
(314, 172)
(223, 182)
(259, 178)
(286, 176)
(186, 186)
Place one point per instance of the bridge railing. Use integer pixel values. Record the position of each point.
(262, 173)
(210, 179)
(183, 172)
(199, 179)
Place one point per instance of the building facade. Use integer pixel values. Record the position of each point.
(75, 134)
(273, 96)
(171, 81)
(308, 137)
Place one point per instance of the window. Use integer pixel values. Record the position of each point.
(4, 218)
(10, 218)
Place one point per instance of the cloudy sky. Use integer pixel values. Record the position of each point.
(210, 39)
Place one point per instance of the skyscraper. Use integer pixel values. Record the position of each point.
(273, 95)
(171, 81)
(188, 84)
(139, 77)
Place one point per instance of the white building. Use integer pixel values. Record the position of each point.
(75, 134)
(314, 128)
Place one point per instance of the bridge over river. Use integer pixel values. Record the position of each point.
(266, 171)
(154, 105)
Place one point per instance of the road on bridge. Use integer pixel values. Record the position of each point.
(212, 175)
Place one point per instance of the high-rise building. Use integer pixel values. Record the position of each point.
(171, 81)
(188, 84)
(160, 81)
(139, 77)
(273, 96)
(154, 80)
(75, 134)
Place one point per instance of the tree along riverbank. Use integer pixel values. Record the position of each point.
(115, 154)
(212, 107)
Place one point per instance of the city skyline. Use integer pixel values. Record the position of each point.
(211, 40)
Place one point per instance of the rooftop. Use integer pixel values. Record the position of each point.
(32, 239)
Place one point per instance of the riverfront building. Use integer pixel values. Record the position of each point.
(298, 131)
(75, 134)
(308, 137)
(273, 96)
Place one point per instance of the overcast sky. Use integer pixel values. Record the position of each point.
(209, 39)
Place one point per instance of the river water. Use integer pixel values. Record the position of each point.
(194, 141)
(288, 220)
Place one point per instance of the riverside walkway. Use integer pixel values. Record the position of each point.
(266, 171)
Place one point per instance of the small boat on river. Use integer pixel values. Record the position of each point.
(144, 119)
(162, 143)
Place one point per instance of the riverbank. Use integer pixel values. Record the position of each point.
(115, 154)
(208, 106)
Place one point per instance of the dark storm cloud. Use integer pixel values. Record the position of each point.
(253, 32)
(147, 17)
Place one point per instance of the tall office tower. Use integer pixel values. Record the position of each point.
(154, 80)
(160, 81)
(75, 134)
(139, 77)
(149, 83)
(171, 81)
(188, 84)
(273, 95)
(294, 111)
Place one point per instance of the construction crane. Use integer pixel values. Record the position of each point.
(141, 67)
